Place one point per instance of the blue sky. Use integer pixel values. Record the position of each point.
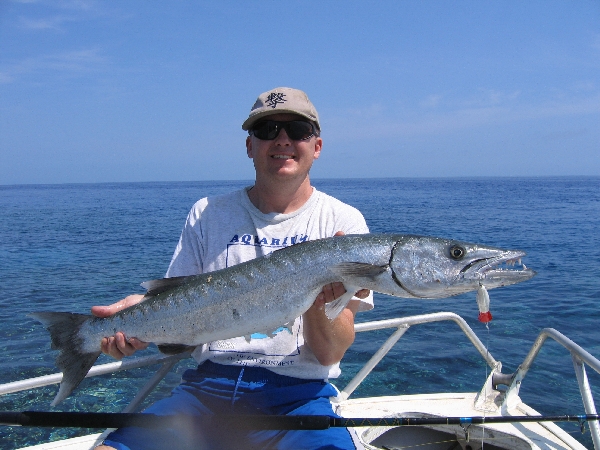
(94, 91)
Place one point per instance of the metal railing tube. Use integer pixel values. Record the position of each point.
(102, 369)
(579, 356)
(402, 324)
(587, 397)
(562, 340)
(368, 367)
(149, 386)
(429, 318)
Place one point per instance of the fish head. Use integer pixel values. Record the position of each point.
(429, 267)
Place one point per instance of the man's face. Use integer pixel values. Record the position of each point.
(283, 158)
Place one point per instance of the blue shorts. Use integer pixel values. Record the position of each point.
(219, 389)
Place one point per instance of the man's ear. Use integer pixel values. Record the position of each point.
(318, 147)
(249, 147)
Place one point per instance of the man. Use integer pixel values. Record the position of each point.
(286, 370)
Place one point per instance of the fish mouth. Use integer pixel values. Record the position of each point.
(499, 270)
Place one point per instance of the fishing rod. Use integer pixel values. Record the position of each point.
(255, 422)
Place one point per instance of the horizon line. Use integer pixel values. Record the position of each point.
(313, 180)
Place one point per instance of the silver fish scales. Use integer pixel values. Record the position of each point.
(267, 292)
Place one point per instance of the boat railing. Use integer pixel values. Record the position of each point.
(167, 362)
(579, 356)
(402, 324)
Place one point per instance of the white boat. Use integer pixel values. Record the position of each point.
(499, 397)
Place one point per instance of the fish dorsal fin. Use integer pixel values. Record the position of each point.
(174, 349)
(155, 287)
(358, 270)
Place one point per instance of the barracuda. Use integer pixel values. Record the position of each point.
(267, 292)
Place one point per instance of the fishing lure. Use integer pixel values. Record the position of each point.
(483, 302)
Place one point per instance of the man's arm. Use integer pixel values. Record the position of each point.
(329, 339)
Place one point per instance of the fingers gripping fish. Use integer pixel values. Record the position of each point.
(272, 290)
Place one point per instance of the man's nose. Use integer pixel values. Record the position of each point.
(282, 138)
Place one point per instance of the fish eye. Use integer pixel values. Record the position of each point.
(457, 252)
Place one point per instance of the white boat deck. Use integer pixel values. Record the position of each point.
(79, 443)
(529, 435)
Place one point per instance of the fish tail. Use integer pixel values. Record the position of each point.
(73, 362)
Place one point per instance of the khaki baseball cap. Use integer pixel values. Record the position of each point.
(280, 101)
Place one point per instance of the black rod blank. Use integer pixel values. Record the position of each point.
(119, 420)
(254, 422)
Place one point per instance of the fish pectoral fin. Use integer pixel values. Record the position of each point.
(358, 270)
(155, 287)
(175, 349)
(334, 308)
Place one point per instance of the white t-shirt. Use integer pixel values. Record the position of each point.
(225, 230)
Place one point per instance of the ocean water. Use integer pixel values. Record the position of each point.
(68, 247)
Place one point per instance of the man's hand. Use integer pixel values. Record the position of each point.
(118, 346)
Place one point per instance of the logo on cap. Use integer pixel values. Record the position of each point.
(274, 99)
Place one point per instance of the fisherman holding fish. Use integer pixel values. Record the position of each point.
(268, 320)
(280, 371)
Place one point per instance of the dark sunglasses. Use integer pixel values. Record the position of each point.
(297, 130)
